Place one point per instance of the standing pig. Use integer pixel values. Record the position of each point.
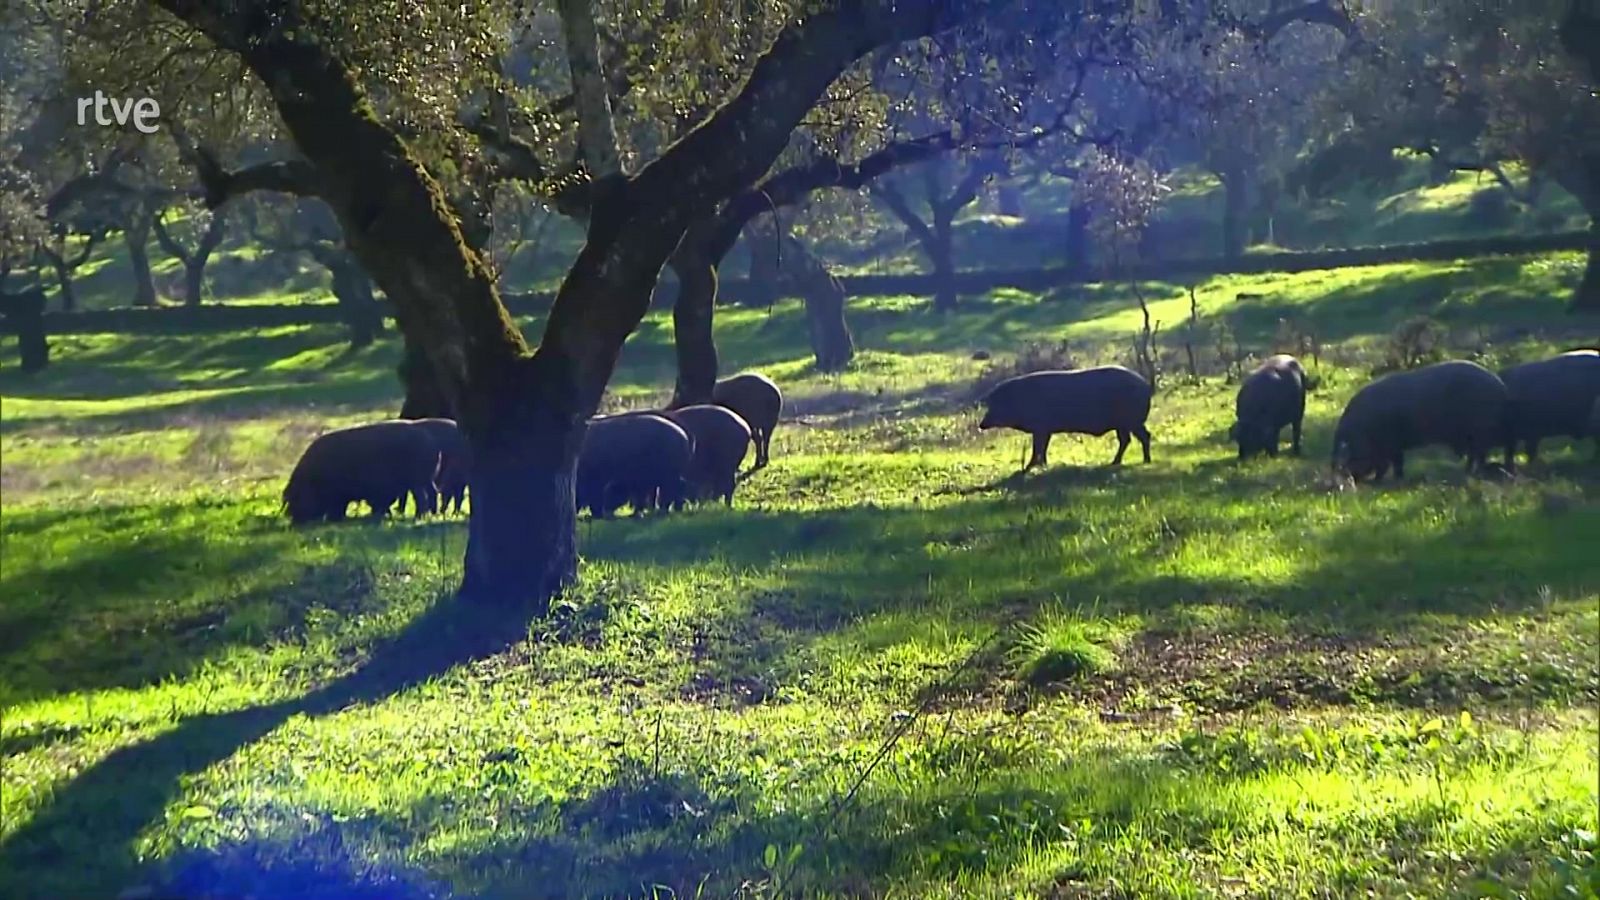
(757, 400)
(379, 463)
(1084, 401)
(455, 462)
(1551, 398)
(721, 439)
(637, 458)
(1273, 396)
(1458, 404)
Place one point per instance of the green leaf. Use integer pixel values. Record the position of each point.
(769, 857)
(198, 812)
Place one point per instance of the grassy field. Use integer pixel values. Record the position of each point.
(895, 668)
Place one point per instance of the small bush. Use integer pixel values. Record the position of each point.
(1062, 647)
(1415, 342)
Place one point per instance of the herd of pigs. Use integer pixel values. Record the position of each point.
(664, 459)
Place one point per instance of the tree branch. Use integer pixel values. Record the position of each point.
(597, 131)
(166, 240)
(896, 203)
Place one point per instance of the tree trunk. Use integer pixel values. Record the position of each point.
(766, 256)
(1587, 297)
(194, 267)
(692, 317)
(137, 236)
(69, 297)
(1078, 235)
(1581, 178)
(1234, 198)
(522, 537)
(194, 283)
(1008, 200)
(941, 252)
(831, 343)
(424, 398)
(352, 290)
(24, 312)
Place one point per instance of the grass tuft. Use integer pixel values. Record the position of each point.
(1064, 646)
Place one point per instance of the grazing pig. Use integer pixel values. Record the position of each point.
(455, 462)
(1083, 401)
(637, 458)
(721, 439)
(1273, 396)
(379, 463)
(1458, 404)
(1551, 398)
(757, 400)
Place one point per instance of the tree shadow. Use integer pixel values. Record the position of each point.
(143, 594)
(110, 802)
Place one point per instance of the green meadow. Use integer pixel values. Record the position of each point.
(894, 668)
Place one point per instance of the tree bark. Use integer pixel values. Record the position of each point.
(193, 262)
(59, 263)
(1587, 297)
(423, 398)
(24, 311)
(832, 347)
(766, 259)
(352, 290)
(137, 236)
(1581, 178)
(692, 318)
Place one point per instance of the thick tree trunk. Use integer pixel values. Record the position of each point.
(692, 317)
(941, 252)
(194, 283)
(766, 257)
(24, 312)
(137, 236)
(522, 538)
(831, 343)
(424, 399)
(1581, 178)
(352, 290)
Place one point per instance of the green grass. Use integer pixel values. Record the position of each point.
(1267, 696)
(1061, 647)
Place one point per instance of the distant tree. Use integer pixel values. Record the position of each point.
(1476, 86)
(944, 188)
(205, 232)
(23, 230)
(307, 226)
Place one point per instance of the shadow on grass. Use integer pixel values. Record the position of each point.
(130, 596)
(111, 801)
